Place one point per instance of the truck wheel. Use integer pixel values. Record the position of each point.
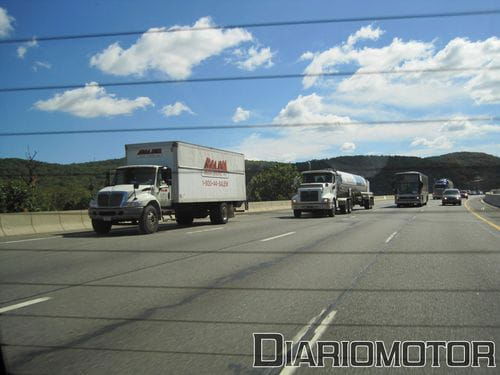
(101, 227)
(297, 213)
(367, 204)
(349, 207)
(331, 212)
(219, 214)
(148, 223)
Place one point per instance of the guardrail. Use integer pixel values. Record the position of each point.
(26, 223)
(492, 198)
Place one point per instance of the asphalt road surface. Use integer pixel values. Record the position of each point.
(187, 300)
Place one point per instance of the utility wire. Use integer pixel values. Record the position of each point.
(249, 78)
(250, 126)
(174, 29)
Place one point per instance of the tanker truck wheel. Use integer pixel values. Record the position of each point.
(148, 223)
(101, 227)
(331, 212)
(297, 213)
(219, 214)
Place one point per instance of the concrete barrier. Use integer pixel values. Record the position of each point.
(46, 222)
(71, 220)
(493, 199)
(15, 224)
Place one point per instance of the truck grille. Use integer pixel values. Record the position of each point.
(110, 199)
(308, 196)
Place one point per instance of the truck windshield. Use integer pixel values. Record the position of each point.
(139, 175)
(318, 177)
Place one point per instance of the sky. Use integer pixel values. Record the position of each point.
(358, 107)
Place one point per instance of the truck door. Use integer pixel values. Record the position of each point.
(164, 182)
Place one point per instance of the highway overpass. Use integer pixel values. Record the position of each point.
(187, 300)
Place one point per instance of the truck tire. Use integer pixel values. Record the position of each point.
(219, 214)
(148, 223)
(297, 213)
(349, 207)
(331, 212)
(101, 227)
(367, 204)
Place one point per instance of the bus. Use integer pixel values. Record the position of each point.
(411, 189)
(440, 186)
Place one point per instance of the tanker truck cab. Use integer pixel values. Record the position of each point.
(317, 193)
(327, 191)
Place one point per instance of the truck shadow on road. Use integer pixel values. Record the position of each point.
(133, 230)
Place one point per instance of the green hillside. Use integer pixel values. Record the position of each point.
(71, 186)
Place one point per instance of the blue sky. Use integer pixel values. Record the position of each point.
(354, 46)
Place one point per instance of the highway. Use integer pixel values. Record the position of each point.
(187, 300)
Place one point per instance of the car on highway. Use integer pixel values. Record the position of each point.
(451, 196)
(464, 194)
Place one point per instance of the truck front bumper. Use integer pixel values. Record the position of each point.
(115, 214)
(312, 206)
(408, 200)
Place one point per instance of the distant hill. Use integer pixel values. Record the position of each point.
(69, 186)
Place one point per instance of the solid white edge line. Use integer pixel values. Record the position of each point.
(279, 236)
(30, 239)
(318, 332)
(205, 230)
(24, 304)
(390, 237)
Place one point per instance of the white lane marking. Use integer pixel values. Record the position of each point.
(205, 230)
(304, 329)
(279, 236)
(390, 237)
(24, 304)
(318, 332)
(414, 217)
(30, 239)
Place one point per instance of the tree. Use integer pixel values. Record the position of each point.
(15, 196)
(276, 183)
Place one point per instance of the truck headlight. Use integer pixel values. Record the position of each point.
(93, 203)
(134, 204)
(326, 200)
(294, 200)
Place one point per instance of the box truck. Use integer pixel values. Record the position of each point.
(170, 178)
(327, 191)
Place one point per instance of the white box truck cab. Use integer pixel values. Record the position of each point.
(165, 178)
(327, 191)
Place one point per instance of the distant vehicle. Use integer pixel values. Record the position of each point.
(411, 189)
(451, 196)
(464, 194)
(165, 178)
(473, 192)
(326, 191)
(480, 192)
(440, 186)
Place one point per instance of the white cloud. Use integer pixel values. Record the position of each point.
(91, 101)
(348, 147)
(441, 143)
(176, 109)
(241, 115)
(5, 23)
(254, 58)
(317, 141)
(415, 89)
(22, 49)
(366, 32)
(41, 64)
(173, 53)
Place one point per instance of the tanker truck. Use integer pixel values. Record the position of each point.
(166, 178)
(327, 191)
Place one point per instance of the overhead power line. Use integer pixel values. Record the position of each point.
(249, 78)
(485, 12)
(250, 126)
